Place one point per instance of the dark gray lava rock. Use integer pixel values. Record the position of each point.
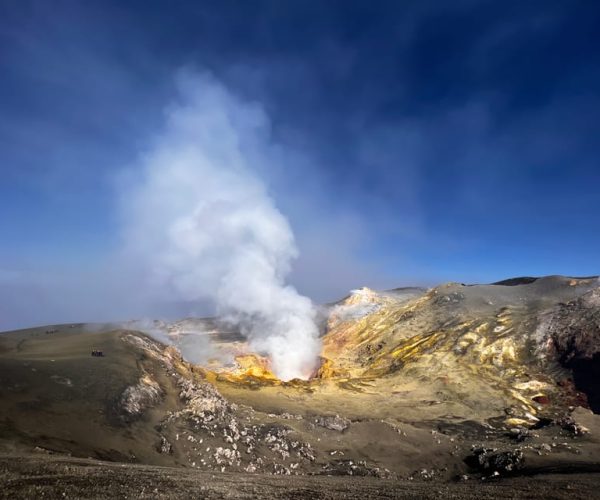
(569, 424)
(164, 446)
(574, 327)
(490, 461)
(572, 333)
(519, 434)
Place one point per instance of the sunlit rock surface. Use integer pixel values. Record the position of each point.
(496, 346)
(505, 350)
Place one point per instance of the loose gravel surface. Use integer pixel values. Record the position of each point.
(65, 477)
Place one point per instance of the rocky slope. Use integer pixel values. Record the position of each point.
(450, 382)
(495, 348)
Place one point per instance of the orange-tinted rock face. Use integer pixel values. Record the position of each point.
(327, 370)
(252, 365)
(485, 346)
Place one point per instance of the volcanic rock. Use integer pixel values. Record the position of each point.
(492, 462)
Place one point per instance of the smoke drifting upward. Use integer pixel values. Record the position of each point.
(200, 223)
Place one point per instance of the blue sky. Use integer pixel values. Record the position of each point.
(419, 142)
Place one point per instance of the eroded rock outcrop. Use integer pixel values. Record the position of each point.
(139, 397)
(570, 333)
(492, 462)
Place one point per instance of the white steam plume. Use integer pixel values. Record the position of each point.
(203, 226)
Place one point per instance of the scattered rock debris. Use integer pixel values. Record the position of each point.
(493, 463)
(569, 424)
(214, 434)
(351, 468)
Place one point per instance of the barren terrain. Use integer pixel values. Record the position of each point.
(420, 393)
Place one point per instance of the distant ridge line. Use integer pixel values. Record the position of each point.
(526, 280)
